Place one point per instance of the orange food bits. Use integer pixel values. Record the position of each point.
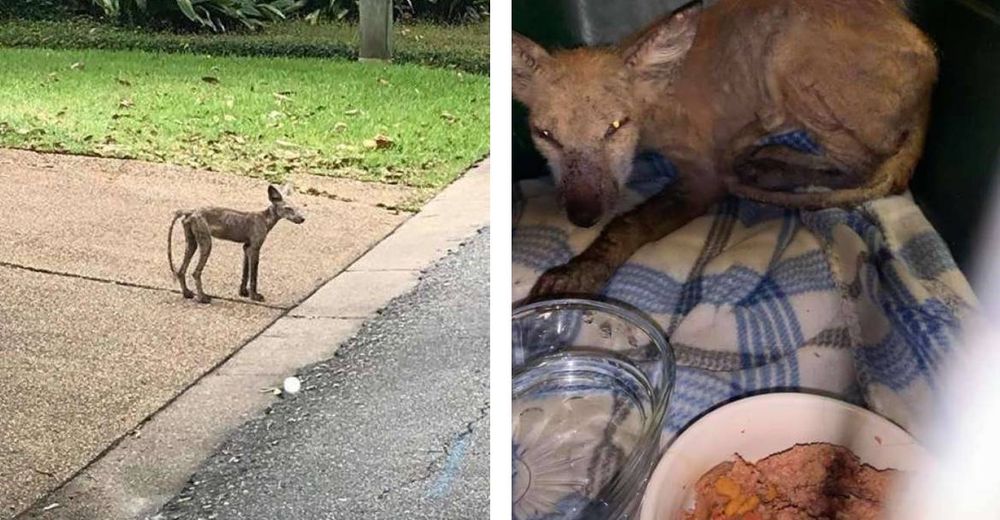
(748, 505)
(727, 487)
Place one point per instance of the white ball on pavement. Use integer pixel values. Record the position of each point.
(292, 385)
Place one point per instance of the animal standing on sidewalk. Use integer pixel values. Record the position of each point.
(246, 227)
(706, 87)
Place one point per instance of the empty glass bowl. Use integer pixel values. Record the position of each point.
(590, 390)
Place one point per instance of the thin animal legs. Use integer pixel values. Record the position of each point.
(205, 246)
(192, 246)
(587, 273)
(246, 271)
(254, 255)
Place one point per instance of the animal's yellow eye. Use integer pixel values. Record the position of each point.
(546, 135)
(614, 126)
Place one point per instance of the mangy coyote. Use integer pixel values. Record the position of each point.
(703, 87)
(246, 227)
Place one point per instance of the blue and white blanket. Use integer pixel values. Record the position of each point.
(863, 304)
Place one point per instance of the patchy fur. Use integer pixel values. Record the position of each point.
(703, 87)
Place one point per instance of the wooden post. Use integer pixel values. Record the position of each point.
(376, 29)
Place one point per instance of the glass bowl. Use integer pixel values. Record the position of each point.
(590, 390)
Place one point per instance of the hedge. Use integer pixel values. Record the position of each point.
(82, 34)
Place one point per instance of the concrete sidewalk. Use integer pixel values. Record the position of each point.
(94, 336)
(141, 350)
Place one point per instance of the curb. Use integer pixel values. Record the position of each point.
(141, 471)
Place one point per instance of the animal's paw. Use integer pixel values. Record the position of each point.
(187, 293)
(243, 292)
(257, 297)
(204, 298)
(578, 277)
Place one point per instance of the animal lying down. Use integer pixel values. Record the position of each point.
(710, 88)
(249, 228)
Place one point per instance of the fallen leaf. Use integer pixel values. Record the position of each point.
(77, 66)
(210, 79)
(340, 127)
(125, 103)
(281, 97)
(379, 142)
(451, 118)
(51, 506)
(383, 81)
(352, 112)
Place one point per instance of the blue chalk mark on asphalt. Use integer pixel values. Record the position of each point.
(447, 477)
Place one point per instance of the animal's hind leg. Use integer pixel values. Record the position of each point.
(205, 245)
(780, 168)
(192, 245)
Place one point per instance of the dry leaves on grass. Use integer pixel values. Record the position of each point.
(379, 142)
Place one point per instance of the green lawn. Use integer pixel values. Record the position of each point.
(257, 116)
(465, 47)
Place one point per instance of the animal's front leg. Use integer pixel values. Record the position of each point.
(587, 273)
(254, 263)
(246, 272)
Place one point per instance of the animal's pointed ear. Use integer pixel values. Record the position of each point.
(287, 188)
(661, 49)
(528, 59)
(273, 194)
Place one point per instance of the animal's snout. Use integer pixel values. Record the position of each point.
(298, 219)
(587, 192)
(584, 213)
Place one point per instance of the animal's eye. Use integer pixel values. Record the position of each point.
(547, 136)
(614, 126)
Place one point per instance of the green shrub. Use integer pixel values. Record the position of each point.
(451, 11)
(39, 9)
(216, 15)
(464, 47)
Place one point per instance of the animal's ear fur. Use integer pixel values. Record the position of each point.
(273, 194)
(661, 49)
(528, 59)
(287, 188)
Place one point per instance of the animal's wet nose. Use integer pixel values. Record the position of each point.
(583, 216)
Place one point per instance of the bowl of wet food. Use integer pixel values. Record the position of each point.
(590, 389)
(783, 455)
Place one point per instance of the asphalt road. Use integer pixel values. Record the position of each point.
(394, 426)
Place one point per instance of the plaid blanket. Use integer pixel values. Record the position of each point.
(863, 305)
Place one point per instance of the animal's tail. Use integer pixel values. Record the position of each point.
(891, 177)
(170, 235)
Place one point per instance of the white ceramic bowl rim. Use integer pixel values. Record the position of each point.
(761, 425)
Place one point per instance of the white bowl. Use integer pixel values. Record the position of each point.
(758, 426)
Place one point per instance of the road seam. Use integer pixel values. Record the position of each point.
(131, 285)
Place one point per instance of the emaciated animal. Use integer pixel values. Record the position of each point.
(704, 87)
(246, 227)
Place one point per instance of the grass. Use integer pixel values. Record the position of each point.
(463, 47)
(257, 116)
